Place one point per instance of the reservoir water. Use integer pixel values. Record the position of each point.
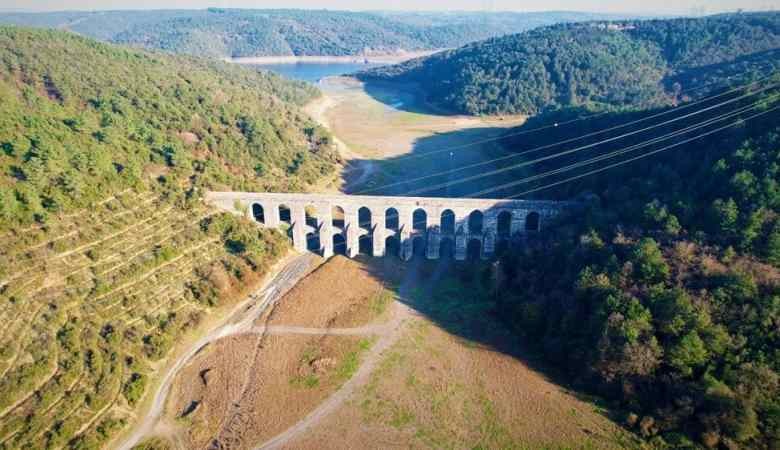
(314, 72)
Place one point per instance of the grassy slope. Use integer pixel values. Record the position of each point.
(107, 255)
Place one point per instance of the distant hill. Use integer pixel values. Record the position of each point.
(242, 33)
(597, 64)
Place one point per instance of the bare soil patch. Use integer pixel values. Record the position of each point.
(291, 376)
(342, 293)
(291, 373)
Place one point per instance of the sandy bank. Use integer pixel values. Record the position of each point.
(349, 59)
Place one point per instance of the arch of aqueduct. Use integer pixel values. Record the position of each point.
(339, 223)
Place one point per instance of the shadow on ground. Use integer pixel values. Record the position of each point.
(439, 165)
(460, 297)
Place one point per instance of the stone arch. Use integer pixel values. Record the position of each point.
(285, 214)
(447, 248)
(419, 220)
(258, 213)
(476, 222)
(366, 245)
(532, 221)
(392, 246)
(447, 222)
(313, 243)
(504, 225)
(339, 244)
(392, 219)
(474, 250)
(364, 219)
(337, 216)
(418, 247)
(311, 216)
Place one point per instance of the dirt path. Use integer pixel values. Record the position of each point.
(401, 315)
(239, 321)
(358, 331)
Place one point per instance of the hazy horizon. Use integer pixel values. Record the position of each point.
(687, 7)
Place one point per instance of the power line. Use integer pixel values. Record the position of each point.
(612, 154)
(570, 140)
(644, 155)
(578, 149)
(622, 151)
(557, 124)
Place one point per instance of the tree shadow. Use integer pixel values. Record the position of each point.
(437, 166)
(462, 298)
(738, 71)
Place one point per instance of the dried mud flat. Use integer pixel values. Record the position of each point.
(248, 388)
(377, 125)
(290, 376)
(279, 386)
(342, 293)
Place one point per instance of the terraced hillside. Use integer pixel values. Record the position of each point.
(107, 253)
(94, 302)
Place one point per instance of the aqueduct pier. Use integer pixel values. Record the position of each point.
(376, 225)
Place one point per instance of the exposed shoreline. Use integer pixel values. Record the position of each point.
(392, 58)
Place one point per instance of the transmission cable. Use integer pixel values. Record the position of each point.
(612, 154)
(578, 149)
(579, 119)
(591, 134)
(644, 155)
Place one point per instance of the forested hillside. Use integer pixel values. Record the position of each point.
(627, 64)
(236, 33)
(663, 295)
(107, 253)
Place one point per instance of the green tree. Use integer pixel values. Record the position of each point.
(688, 353)
(649, 263)
(726, 215)
(772, 250)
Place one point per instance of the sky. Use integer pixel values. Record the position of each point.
(688, 7)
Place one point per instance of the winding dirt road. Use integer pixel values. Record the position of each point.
(238, 322)
(388, 334)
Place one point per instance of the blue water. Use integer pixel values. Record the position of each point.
(314, 72)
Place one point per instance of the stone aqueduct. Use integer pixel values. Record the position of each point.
(351, 224)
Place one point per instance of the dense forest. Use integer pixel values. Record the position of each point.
(108, 256)
(235, 33)
(598, 65)
(663, 294)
